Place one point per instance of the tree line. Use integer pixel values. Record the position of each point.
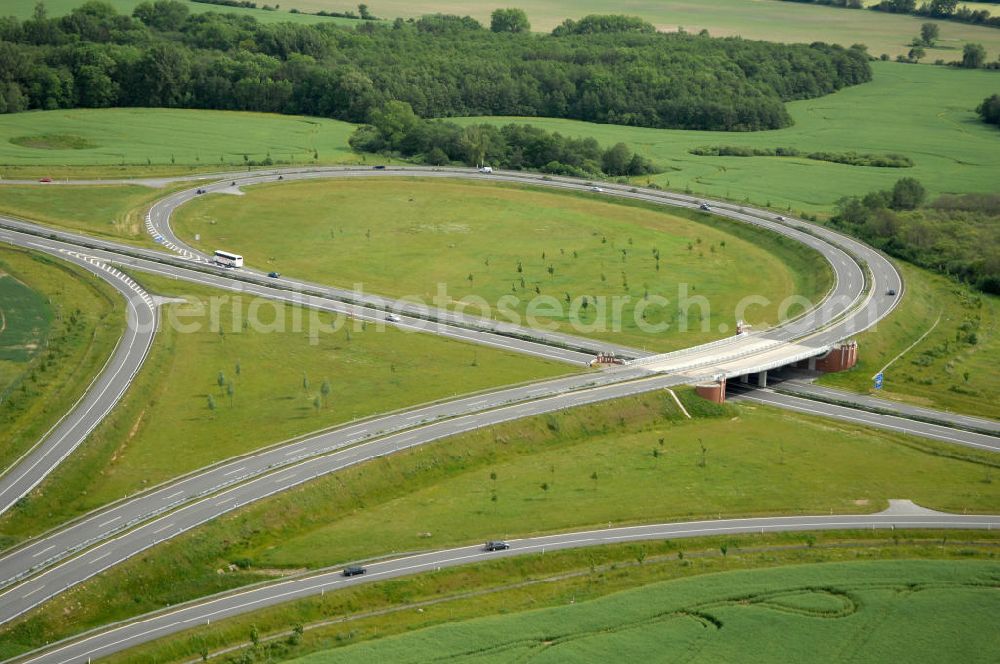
(395, 129)
(598, 69)
(890, 160)
(954, 235)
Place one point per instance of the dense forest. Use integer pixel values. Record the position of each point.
(954, 235)
(612, 71)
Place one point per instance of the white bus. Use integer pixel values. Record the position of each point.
(226, 259)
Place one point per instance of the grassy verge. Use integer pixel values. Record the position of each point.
(952, 368)
(952, 150)
(85, 319)
(117, 212)
(519, 253)
(205, 395)
(555, 579)
(578, 469)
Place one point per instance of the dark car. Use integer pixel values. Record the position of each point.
(200, 191)
(705, 206)
(353, 570)
(380, 167)
(891, 291)
(496, 545)
(273, 275)
(45, 179)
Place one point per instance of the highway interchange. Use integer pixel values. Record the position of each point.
(41, 568)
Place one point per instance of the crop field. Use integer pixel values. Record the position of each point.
(112, 211)
(25, 317)
(925, 113)
(137, 141)
(514, 253)
(863, 611)
(24, 8)
(953, 367)
(578, 469)
(272, 373)
(59, 325)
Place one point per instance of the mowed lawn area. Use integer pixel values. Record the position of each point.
(113, 211)
(137, 141)
(204, 396)
(862, 611)
(524, 252)
(953, 367)
(636, 460)
(58, 326)
(923, 112)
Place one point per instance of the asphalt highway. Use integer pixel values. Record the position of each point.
(203, 612)
(101, 395)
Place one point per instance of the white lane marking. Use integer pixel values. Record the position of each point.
(233, 472)
(109, 521)
(174, 495)
(48, 548)
(32, 592)
(160, 530)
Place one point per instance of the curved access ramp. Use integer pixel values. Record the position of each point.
(101, 395)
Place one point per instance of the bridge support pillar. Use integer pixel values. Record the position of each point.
(841, 358)
(762, 379)
(715, 392)
(812, 364)
(745, 379)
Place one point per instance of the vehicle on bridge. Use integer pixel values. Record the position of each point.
(226, 259)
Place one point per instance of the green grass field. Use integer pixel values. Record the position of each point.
(925, 113)
(864, 612)
(407, 237)
(60, 324)
(113, 211)
(165, 427)
(24, 8)
(758, 460)
(137, 141)
(944, 370)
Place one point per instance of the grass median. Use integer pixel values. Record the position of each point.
(636, 460)
(629, 273)
(116, 212)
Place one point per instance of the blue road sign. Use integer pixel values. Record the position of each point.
(878, 381)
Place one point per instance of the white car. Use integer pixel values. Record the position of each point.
(392, 318)
(596, 189)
